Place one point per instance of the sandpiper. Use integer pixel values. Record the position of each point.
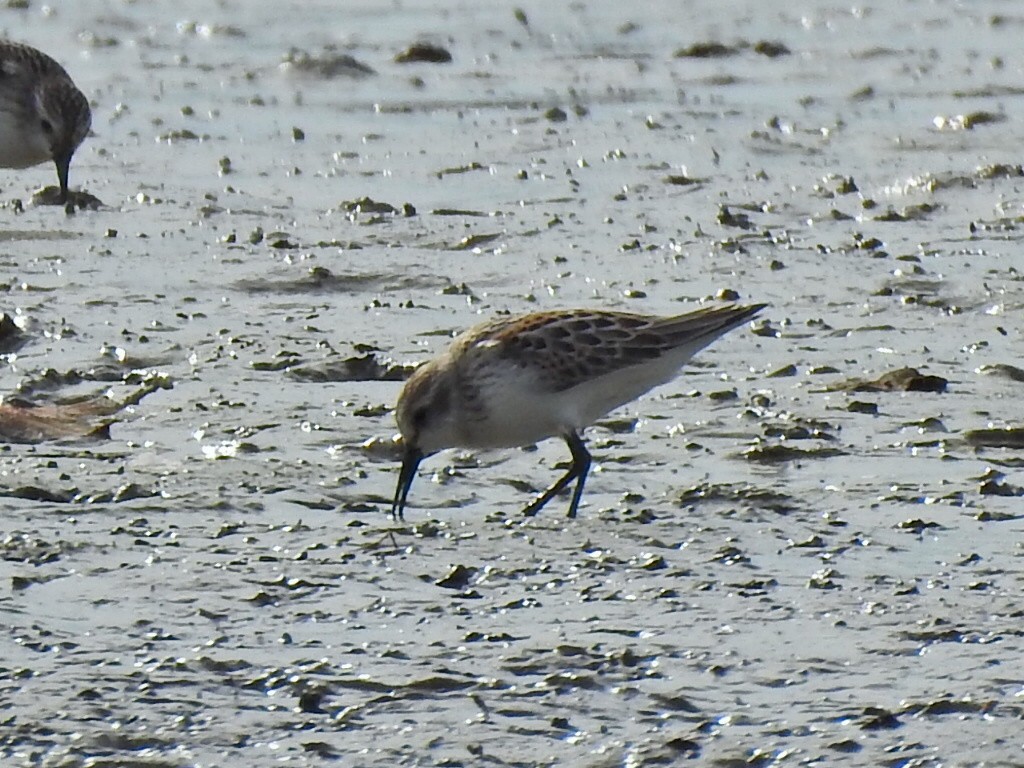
(43, 115)
(518, 380)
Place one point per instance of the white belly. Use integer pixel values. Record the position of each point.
(518, 412)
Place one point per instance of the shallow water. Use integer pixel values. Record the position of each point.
(770, 578)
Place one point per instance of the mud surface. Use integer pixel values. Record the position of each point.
(792, 555)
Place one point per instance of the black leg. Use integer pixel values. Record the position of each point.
(580, 459)
(578, 471)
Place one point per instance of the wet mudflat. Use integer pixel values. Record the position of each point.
(795, 554)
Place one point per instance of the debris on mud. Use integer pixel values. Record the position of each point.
(716, 50)
(76, 200)
(966, 122)
(327, 65)
(22, 421)
(374, 211)
(899, 380)
(366, 367)
(1006, 437)
(424, 52)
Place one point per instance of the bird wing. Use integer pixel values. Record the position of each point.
(567, 348)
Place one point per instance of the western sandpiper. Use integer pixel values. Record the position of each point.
(518, 380)
(43, 115)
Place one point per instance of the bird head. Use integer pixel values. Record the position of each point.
(64, 121)
(425, 419)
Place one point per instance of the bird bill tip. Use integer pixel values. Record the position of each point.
(63, 169)
(411, 458)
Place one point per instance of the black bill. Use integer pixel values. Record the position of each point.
(410, 461)
(63, 164)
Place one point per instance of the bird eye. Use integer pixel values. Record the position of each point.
(419, 417)
(46, 125)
